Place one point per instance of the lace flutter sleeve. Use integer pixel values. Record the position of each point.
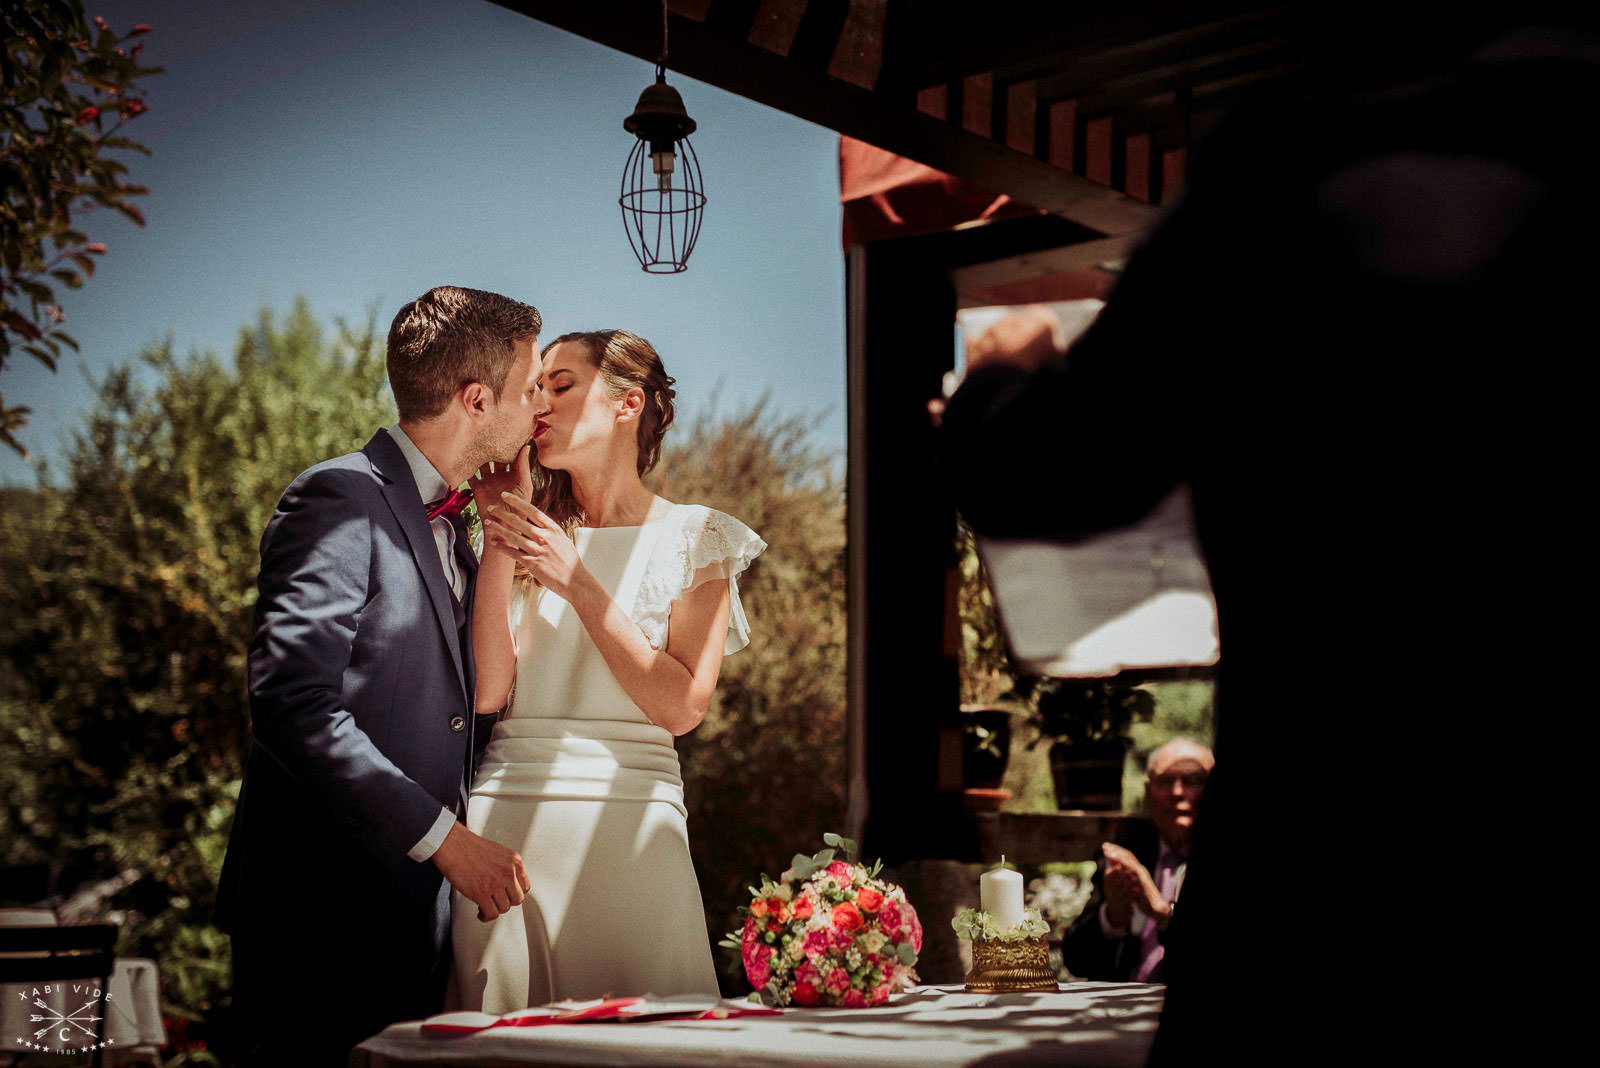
(707, 545)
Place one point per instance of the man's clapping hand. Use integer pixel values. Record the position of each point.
(1127, 885)
(486, 872)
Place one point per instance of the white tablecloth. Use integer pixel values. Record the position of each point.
(931, 1026)
(134, 1030)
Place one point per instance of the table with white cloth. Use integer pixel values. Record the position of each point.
(929, 1026)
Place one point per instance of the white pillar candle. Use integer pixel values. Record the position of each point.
(1001, 894)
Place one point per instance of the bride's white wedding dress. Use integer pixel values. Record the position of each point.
(580, 782)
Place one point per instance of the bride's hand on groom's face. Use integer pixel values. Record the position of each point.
(536, 541)
(493, 479)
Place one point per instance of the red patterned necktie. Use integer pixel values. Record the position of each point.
(449, 506)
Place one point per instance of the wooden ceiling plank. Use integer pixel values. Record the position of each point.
(776, 23)
(736, 18)
(1195, 70)
(818, 36)
(1027, 40)
(1097, 253)
(858, 57)
(1092, 64)
(1159, 111)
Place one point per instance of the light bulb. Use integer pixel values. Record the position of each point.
(663, 163)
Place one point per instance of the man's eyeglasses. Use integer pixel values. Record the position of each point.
(1167, 782)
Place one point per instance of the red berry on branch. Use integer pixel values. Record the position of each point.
(137, 30)
(88, 114)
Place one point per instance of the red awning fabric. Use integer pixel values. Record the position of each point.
(886, 195)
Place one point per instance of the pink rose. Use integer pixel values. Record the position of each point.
(838, 980)
(817, 943)
(841, 871)
(881, 994)
(855, 999)
(841, 940)
(750, 943)
(889, 919)
(758, 968)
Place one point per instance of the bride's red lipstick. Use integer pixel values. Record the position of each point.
(539, 428)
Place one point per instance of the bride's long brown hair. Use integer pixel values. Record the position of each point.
(625, 361)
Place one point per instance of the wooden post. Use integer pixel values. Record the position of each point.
(904, 691)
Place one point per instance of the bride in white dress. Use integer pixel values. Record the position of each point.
(602, 615)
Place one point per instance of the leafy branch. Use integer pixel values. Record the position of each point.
(69, 87)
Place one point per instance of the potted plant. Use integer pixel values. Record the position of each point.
(1085, 722)
(989, 701)
(985, 745)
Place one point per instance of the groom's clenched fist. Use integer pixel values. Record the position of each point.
(486, 872)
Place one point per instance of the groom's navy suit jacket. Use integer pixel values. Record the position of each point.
(361, 703)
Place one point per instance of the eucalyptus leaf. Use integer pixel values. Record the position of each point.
(907, 955)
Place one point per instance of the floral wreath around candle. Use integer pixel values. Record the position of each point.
(973, 924)
(828, 931)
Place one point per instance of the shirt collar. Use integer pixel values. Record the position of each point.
(430, 483)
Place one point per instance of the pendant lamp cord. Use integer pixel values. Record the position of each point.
(661, 64)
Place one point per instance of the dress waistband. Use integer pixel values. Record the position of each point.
(613, 760)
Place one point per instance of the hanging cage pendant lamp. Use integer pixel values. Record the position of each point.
(662, 198)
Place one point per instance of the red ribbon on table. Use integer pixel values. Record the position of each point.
(610, 1010)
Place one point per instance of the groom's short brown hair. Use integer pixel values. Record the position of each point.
(450, 337)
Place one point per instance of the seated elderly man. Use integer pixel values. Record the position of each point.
(1120, 934)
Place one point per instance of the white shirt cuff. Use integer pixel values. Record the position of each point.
(1108, 930)
(431, 841)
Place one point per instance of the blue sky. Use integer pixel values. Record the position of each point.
(362, 152)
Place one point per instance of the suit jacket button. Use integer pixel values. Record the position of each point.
(458, 723)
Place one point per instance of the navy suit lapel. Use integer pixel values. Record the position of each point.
(400, 491)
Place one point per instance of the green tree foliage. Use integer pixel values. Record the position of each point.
(66, 90)
(765, 773)
(986, 672)
(129, 596)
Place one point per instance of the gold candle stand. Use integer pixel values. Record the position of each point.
(1010, 967)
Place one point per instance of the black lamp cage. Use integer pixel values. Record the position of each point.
(663, 195)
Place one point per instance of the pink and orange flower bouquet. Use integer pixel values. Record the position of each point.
(828, 932)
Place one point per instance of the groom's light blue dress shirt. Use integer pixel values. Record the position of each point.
(430, 487)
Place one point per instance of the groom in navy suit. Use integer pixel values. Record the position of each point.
(347, 838)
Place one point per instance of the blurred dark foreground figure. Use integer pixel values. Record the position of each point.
(1358, 338)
